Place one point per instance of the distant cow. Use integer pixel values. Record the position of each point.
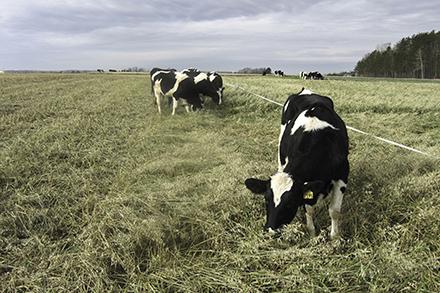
(178, 85)
(279, 73)
(312, 163)
(315, 75)
(112, 70)
(268, 70)
(100, 70)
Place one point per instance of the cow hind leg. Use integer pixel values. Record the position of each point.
(334, 208)
(157, 96)
(175, 104)
(158, 102)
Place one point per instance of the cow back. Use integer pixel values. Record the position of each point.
(317, 154)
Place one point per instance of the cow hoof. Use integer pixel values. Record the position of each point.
(334, 236)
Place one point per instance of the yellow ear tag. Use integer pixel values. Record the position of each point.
(308, 194)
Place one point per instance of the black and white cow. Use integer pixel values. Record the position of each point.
(303, 74)
(279, 73)
(313, 163)
(315, 75)
(178, 86)
(217, 82)
(205, 84)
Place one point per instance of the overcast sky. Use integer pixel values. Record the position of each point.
(328, 36)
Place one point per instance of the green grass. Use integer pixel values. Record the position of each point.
(100, 193)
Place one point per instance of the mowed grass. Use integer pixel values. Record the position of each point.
(100, 193)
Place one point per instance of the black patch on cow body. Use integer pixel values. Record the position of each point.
(343, 188)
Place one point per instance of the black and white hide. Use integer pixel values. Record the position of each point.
(178, 86)
(312, 163)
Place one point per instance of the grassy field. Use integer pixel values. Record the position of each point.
(98, 192)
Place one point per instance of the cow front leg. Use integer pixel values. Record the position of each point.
(187, 107)
(334, 209)
(309, 220)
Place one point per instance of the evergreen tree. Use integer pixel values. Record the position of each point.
(417, 56)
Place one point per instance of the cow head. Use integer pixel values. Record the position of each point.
(283, 196)
(196, 103)
(211, 91)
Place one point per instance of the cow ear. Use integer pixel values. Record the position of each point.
(312, 188)
(257, 186)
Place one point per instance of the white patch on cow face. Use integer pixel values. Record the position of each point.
(200, 77)
(309, 123)
(212, 77)
(280, 183)
(306, 92)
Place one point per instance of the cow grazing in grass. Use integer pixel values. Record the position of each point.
(313, 163)
(206, 84)
(315, 75)
(279, 73)
(178, 86)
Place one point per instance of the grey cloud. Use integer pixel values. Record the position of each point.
(227, 35)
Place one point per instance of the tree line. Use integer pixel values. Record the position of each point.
(417, 56)
(262, 70)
